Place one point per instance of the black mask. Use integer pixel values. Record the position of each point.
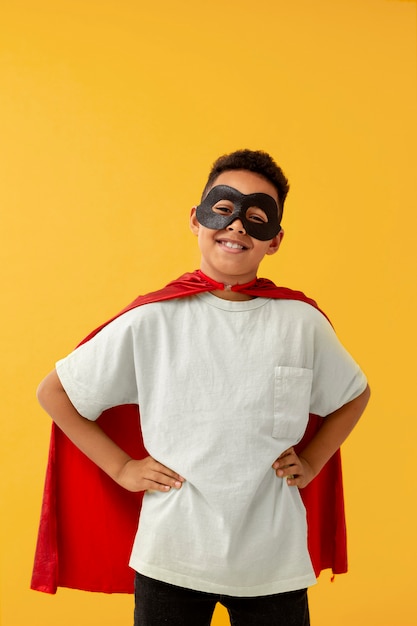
(211, 217)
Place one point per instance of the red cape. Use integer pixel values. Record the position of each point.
(88, 523)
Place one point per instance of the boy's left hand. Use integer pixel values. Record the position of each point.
(295, 468)
(299, 470)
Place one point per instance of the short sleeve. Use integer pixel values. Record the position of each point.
(100, 374)
(337, 378)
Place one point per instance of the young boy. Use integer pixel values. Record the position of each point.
(225, 382)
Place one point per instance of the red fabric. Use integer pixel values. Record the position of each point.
(88, 522)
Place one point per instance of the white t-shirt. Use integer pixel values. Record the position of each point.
(224, 388)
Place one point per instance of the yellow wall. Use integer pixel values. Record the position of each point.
(111, 113)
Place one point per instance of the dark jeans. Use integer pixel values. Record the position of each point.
(161, 604)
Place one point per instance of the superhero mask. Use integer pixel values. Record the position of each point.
(212, 214)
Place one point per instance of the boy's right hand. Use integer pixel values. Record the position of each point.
(148, 474)
(132, 474)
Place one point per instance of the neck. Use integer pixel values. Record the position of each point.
(228, 291)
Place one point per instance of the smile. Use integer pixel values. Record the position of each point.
(231, 245)
(228, 244)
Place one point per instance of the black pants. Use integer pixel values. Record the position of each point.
(161, 604)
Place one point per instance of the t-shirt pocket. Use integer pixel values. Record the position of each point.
(292, 391)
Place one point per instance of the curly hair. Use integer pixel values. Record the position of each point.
(256, 161)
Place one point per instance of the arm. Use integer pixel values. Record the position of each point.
(132, 474)
(301, 469)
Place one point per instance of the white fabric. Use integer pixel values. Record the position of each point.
(223, 387)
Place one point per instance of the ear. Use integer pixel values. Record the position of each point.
(275, 243)
(194, 223)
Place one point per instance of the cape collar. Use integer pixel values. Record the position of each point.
(192, 283)
(226, 287)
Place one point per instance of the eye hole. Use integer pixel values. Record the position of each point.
(222, 208)
(255, 214)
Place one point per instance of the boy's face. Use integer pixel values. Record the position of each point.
(230, 255)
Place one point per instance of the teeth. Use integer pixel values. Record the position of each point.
(229, 244)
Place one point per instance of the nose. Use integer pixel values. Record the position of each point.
(237, 226)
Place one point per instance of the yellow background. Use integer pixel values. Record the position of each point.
(111, 113)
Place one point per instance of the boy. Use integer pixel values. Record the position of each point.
(225, 382)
